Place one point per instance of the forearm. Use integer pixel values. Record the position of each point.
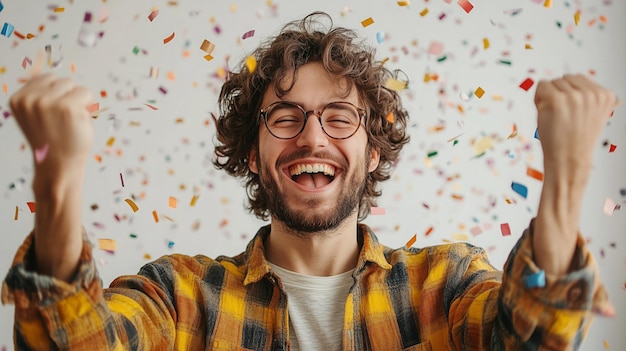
(58, 232)
(558, 219)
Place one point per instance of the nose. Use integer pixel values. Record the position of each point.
(312, 135)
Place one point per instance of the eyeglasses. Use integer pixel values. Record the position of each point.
(286, 120)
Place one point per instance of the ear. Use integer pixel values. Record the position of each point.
(252, 161)
(374, 159)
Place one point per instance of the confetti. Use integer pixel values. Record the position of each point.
(153, 14)
(193, 200)
(395, 84)
(533, 173)
(536, 280)
(577, 17)
(527, 84)
(251, 64)
(41, 153)
(521, 189)
(1, 6)
(168, 39)
(173, 202)
(547, 3)
(94, 107)
(132, 205)
(612, 148)
(109, 245)
(390, 117)
(610, 206)
(486, 43)
(505, 229)
(403, 3)
(435, 48)
(248, 34)
(111, 141)
(411, 241)
(366, 22)
(377, 210)
(155, 215)
(466, 5)
(32, 206)
(59, 9)
(380, 37)
(424, 12)
(16, 213)
(122, 179)
(479, 92)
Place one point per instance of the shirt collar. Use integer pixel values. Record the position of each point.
(258, 267)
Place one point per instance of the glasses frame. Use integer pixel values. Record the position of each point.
(264, 112)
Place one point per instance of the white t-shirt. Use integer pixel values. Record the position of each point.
(316, 308)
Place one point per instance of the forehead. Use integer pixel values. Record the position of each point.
(311, 84)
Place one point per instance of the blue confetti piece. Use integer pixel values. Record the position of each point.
(537, 280)
(1, 6)
(380, 37)
(521, 189)
(7, 29)
(537, 133)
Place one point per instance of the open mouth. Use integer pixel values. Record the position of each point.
(312, 175)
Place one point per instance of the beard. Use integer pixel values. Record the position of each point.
(347, 200)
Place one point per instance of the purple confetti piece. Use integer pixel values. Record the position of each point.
(248, 34)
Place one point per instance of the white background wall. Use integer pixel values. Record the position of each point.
(167, 152)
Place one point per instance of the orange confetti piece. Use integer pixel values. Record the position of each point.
(16, 213)
(151, 106)
(604, 19)
(428, 231)
(193, 200)
(411, 241)
(59, 9)
(103, 93)
(547, 3)
(132, 205)
(32, 206)
(73, 68)
(5, 89)
(168, 39)
(111, 141)
(424, 12)
(533, 173)
(98, 158)
(479, 92)
(366, 22)
(155, 215)
(390, 117)
(207, 46)
(107, 245)
(466, 5)
(173, 202)
(208, 57)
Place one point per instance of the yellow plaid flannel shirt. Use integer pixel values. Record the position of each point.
(445, 297)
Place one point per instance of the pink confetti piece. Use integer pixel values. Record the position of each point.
(41, 153)
(435, 48)
(505, 229)
(153, 15)
(377, 210)
(610, 206)
(248, 34)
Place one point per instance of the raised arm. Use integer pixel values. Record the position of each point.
(572, 111)
(54, 117)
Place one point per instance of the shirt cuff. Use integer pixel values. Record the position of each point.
(25, 288)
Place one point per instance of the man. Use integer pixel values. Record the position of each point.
(308, 131)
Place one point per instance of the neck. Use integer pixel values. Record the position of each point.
(322, 253)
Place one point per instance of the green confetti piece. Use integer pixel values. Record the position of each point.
(505, 62)
(136, 50)
(133, 235)
(442, 58)
(456, 141)
(432, 153)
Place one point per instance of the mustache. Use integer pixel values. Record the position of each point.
(323, 155)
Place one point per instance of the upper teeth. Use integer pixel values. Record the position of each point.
(312, 168)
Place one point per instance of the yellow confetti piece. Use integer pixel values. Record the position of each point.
(156, 216)
(485, 43)
(483, 145)
(547, 3)
(111, 141)
(107, 244)
(251, 64)
(424, 12)
(173, 202)
(366, 22)
(411, 241)
(193, 200)
(59, 9)
(395, 84)
(479, 92)
(528, 47)
(403, 3)
(577, 17)
(3, 70)
(390, 117)
(460, 237)
(208, 57)
(132, 205)
(147, 256)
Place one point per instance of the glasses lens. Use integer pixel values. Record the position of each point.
(285, 120)
(340, 120)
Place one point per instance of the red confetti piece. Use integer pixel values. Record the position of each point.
(152, 107)
(428, 231)
(168, 39)
(612, 148)
(466, 5)
(153, 15)
(32, 206)
(527, 84)
(94, 107)
(505, 229)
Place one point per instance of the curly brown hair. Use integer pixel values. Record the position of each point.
(300, 42)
